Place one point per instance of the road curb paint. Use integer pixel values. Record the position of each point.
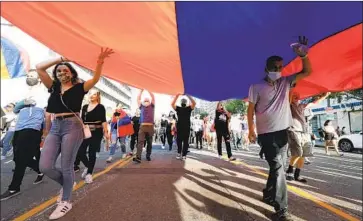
(303, 194)
(53, 200)
(124, 163)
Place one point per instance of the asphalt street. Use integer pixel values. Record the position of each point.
(201, 188)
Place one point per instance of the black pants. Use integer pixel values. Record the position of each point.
(148, 140)
(274, 148)
(199, 136)
(170, 139)
(163, 135)
(94, 144)
(133, 141)
(227, 137)
(191, 139)
(182, 140)
(26, 144)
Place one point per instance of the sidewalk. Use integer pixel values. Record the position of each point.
(202, 188)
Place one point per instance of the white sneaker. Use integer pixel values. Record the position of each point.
(3, 157)
(109, 160)
(88, 179)
(62, 209)
(184, 158)
(163, 147)
(97, 155)
(84, 173)
(123, 156)
(178, 157)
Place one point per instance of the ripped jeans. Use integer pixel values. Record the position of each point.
(65, 137)
(114, 139)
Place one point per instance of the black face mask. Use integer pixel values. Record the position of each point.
(183, 105)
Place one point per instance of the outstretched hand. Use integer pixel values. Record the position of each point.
(105, 53)
(301, 47)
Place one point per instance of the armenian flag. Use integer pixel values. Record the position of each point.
(210, 50)
(14, 60)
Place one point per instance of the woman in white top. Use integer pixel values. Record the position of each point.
(331, 137)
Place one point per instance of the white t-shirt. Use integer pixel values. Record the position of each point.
(198, 125)
(236, 124)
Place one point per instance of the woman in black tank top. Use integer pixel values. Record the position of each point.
(66, 132)
(94, 115)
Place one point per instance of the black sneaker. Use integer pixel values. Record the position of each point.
(136, 160)
(76, 169)
(9, 194)
(39, 179)
(285, 216)
(148, 158)
(301, 180)
(290, 177)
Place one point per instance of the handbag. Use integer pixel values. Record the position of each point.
(86, 131)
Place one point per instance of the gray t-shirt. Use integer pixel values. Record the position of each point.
(298, 118)
(272, 106)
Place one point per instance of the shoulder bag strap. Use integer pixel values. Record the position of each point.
(80, 120)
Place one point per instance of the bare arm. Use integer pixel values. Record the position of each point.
(173, 103)
(105, 128)
(139, 98)
(42, 70)
(152, 98)
(193, 102)
(97, 74)
(48, 123)
(318, 100)
(250, 114)
(306, 70)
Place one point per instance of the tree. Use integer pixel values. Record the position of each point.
(347, 95)
(203, 114)
(236, 106)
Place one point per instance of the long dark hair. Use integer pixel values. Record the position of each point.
(57, 83)
(326, 123)
(172, 114)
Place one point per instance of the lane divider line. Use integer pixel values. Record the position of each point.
(53, 200)
(122, 164)
(303, 194)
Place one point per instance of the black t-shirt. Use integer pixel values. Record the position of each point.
(183, 116)
(136, 121)
(164, 123)
(97, 114)
(73, 98)
(221, 121)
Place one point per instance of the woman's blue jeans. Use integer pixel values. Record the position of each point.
(65, 137)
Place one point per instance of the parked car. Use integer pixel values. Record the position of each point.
(350, 142)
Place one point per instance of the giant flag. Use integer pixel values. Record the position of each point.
(211, 50)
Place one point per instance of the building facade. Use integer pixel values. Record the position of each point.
(205, 106)
(345, 114)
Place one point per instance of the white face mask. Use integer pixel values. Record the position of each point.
(274, 75)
